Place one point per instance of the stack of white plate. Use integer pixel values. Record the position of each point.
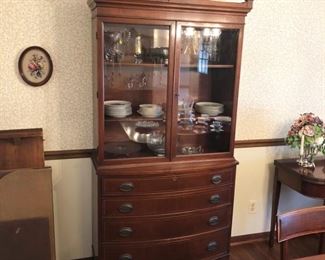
(150, 110)
(209, 108)
(118, 108)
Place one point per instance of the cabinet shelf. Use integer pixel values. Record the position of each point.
(154, 65)
(127, 64)
(210, 66)
(138, 89)
(133, 117)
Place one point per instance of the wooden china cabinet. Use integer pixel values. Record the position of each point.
(166, 88)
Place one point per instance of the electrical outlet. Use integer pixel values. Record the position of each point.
(252, 207)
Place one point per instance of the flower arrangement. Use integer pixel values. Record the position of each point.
(36, 66)
(310, 127)
(308, 134)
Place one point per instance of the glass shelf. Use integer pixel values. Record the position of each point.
(133, 117)
(125, 89)
(211, 66)
(124, 64)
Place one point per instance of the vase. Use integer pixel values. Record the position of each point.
(307, 158)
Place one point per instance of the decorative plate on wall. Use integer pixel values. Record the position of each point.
(35, 66)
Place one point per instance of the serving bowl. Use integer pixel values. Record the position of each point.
(150, 109)
(210, 108)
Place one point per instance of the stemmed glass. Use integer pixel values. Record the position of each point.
(187, 121)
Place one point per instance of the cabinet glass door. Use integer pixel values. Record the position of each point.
(206, 86)
(135, 90)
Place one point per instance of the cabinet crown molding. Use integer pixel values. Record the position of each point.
(203, 5)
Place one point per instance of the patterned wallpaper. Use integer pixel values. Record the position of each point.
(283, 72)
(283, 67)
(62, 107)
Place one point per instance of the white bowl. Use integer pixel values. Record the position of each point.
(150, 109)
(117, 103)
(210, 108)
(208, 104)
(150, 115)
(212, 113)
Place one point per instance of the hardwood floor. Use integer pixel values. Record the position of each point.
(260, 250)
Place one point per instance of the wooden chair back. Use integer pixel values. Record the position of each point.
(299, 223)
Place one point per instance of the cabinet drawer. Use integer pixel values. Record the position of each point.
(171, 182)
(163, 227)
(155, 205)
(198, 247)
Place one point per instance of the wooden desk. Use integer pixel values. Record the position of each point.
(309, 182)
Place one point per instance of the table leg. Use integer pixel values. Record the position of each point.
(321, 240)
(275, 204)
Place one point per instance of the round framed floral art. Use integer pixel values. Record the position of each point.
(35, 66)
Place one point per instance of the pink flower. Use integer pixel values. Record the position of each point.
(308, 130)
(32, 66)
(309, 117)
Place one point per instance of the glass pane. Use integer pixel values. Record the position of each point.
(206, 90)
(135, 80)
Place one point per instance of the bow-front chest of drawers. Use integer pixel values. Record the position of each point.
(167, 213)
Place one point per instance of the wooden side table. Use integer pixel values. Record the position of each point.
(308, 182)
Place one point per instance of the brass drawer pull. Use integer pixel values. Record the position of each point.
(126, 208)
(213, 221)
(125, 257)
(125, 232)
(212, 246)
(216, 179)
(214, 199)
(126, 187)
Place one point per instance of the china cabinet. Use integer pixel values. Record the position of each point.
(166, 76)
